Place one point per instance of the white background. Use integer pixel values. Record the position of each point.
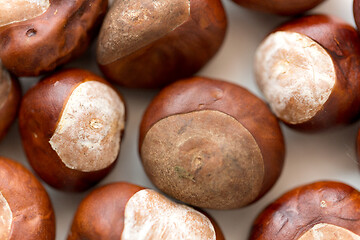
(328, 155)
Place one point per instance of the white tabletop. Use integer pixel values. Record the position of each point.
(310, 157)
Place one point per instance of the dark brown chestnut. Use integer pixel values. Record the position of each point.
(125, 211)
(211, 144)
(280, 7)
(25, 207)
(71, 124)
(308, 71)
(149, 44)
(10, 95)
(356, 11)
(37, 36)
(317, 211)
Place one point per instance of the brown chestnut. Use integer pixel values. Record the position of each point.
(317, 211)
(211, 144)
(149, 44)
(280, 7)
(71, 124)
(10, 95)
(356, 11)
(39, 35)
(125, 211)
(308, 71)
(25, 207)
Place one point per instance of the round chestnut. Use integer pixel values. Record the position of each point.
(125, 211)
(148, 44)
(37, 36)
(308, 71)
(211, 144)
(10, 95)
(26, 211)
(317, 211)
(280, 7)
(71, 124)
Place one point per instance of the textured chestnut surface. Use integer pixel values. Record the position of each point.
(342, 43)
(201, 94)
(40, 111)
(176, 54)
(40, 44)
(356, 11)
(101, 214)
(33, 215)
(281, 7)
(298, 210)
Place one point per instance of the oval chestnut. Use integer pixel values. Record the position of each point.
(280, 7)
(26, 209)
(149, 44)
(71, 124)
(308, 71)
(317, 211)
(211, 144)
(39, 35)
(10, 96)
(126, 211)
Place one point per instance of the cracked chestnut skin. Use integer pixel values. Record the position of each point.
(108, 203)
(200, 94)
(63, 32)
(280, 7)
(33, 214)
(298, 210)
(179, 54)
(342, 43)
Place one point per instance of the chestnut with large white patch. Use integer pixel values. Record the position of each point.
(324, 231)
(296, 75)
(87, 137)
(150, 215)
(5, 218)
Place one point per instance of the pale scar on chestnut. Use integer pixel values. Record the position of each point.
(150, 215)
(133, 24)
(21, 10)
(295, 74)
(6, 218)
(324, 231)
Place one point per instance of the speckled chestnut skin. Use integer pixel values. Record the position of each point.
(41, 113)
(101, 215)
(356, 10)
(32, 212)
(342, 44)
(40, 44)
(10, 95)
(302, 208)
(280, 7)
(159, 54)
(211, 144)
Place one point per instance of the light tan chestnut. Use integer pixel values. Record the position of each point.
(71, 125)
(10, 95)
(25, 207)
(317, 211)
(36, 36)
(125, 211)
(150, 43)
(308, 71)
(211, 144)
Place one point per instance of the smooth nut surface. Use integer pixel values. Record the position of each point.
(21, 10)
(325, 231)
(149, 214)
(133, 24)
(296, 75)
(87, 137)
(6, 218)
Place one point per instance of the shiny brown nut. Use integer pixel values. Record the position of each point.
(71, 124)
(308, 71)
(39, 35)
(149, 44)
(356, 10)
(125, 211)
(317, 211)
(280, 7)
(25, 208)
(211, 144)
(10, 95)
